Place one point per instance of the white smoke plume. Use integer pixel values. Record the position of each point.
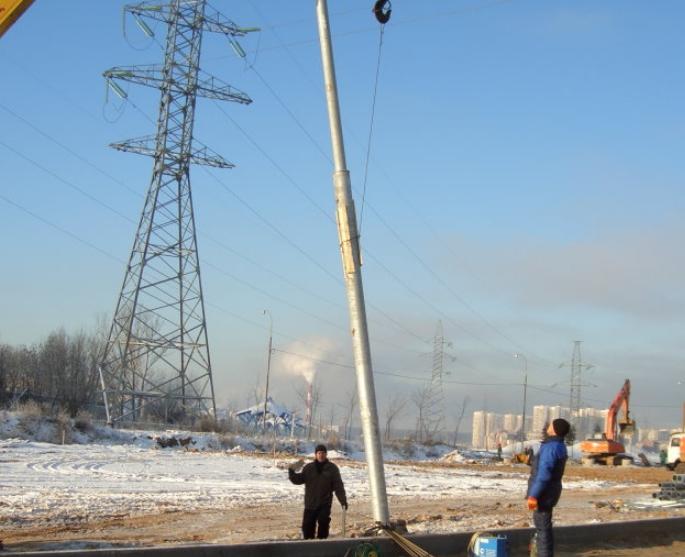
(300, 357)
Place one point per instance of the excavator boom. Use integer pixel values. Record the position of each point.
(608, 449)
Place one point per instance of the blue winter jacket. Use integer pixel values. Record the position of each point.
(546, 471)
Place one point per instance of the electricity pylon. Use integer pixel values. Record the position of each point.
(435, 405)
(157, 350)
(577, 367)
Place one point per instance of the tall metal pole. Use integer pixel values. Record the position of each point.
(268, 366)
(351, 261)
(525, 391)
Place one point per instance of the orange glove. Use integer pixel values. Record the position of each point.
(532, 504)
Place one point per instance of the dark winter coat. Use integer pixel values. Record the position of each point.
(320, 485)
(547, 469)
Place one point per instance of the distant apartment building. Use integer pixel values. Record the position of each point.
(540, 418)
(511, 422)
(478, 429)
(488, 429)
(589, 422)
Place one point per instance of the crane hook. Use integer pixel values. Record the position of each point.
(382, 10)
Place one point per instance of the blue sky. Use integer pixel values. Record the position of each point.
(525, 187)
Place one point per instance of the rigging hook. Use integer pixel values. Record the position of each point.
(382, 10)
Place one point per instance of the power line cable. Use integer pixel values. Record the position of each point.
(242, 318)
(125, 217)
(61, 229)
(393, 374)
(383, 221)
(438, 16)
(338, 281)
(412, 252)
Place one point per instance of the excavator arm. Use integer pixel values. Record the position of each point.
(10, 11)
(620, 404)
(608, 450)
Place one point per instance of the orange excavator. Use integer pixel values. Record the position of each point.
(608, 449)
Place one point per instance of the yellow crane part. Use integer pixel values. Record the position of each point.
(10, 11)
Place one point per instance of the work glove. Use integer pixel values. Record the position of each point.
(295, 466)
(532, 504)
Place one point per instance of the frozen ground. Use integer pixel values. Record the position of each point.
(121, 488)
(65, 483)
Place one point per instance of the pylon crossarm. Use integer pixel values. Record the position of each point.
(215, 22)
(206, 86)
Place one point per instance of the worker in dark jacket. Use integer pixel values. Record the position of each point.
(320, 478)
(544, 485)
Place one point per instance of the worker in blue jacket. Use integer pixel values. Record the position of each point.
(544, 484)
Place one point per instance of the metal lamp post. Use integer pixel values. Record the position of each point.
(525, 392)
(268, 366)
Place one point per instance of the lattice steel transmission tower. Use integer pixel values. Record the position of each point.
(577, 367)
(435, 400)
(157, 354)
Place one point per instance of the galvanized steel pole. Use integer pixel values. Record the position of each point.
(268, 368)
(351, 260)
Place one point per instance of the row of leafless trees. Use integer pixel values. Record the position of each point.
(57, 371)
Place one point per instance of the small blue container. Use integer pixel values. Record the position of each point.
(490, 546)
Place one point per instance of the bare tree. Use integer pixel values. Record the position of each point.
(464, 403)
(421, 399)
(350, 409)
(393, 410)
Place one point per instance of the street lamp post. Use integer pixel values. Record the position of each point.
(268, 367)
(525, 392)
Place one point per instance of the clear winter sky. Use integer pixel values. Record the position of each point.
(525, 188)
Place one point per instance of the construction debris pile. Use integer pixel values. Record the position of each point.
(672, 491)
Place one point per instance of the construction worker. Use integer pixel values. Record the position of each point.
(544, 485)
(320, 478)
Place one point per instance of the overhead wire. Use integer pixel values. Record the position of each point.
(325, 155)
(60, 229)
(438, 16)
(422, 262)
(115, 211)
(383, 221)
(394, 374)
(367, 161)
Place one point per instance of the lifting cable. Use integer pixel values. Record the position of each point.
(382, 10)
(408, 546)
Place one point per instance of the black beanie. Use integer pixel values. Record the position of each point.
(320, 448)
(561, 427)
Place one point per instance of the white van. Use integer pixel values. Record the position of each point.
(675, 459)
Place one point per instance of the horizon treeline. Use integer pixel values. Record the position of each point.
(59, 372)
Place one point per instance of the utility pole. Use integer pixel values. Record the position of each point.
(351, 262)
(525, 391)
(268, 367)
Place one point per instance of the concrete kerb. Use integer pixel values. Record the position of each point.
(645, 532)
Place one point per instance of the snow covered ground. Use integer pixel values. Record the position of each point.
(42, 482)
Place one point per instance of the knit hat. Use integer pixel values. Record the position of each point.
(321, 448)
(561, 427)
